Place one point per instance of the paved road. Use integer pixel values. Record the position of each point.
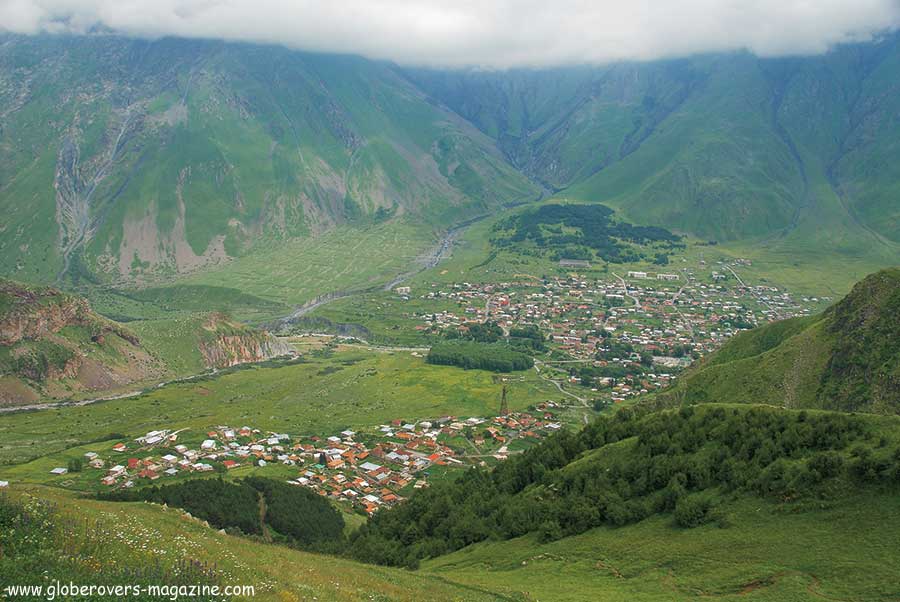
(637, 302)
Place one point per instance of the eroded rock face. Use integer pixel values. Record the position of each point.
(226, 350)
(45, 360)
(34, 314)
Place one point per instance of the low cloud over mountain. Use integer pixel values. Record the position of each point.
(495, 34)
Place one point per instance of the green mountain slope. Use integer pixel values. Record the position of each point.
(615, 508)
(122, 159)
(126, 161)
(847, 358)
(799, 153)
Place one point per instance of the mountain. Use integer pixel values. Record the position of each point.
(53, 346)
(847, 358)
(129, 161)
(122, 159)
(724, 146)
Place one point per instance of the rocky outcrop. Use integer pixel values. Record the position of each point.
(225, 343)
(45, 357)
(32, 313)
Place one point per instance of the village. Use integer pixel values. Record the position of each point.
(619, 336)
(364, 471)
(609, 339)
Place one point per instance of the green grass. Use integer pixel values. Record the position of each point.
(345, 258)
(845, 358)
(841, 550)
(278, 573)
(370, 388)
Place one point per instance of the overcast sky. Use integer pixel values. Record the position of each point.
(484, 33)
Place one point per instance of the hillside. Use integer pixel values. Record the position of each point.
(54, 346)
(180, 157)
(149, 544)
(174, 156)
(716, 501)
(847, 358)
(724, 146)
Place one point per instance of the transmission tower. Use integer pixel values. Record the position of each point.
(504, 406)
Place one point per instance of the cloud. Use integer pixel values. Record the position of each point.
(482, 33)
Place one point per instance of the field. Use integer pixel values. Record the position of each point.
(768, 553)
(344, 258)
(824, 268)
(322, 395)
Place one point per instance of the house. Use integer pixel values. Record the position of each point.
(119, 447)
(59, 471)
(208, 445)
(4, 484)
(148, 474)
(229, 464)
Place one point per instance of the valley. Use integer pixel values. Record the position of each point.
(349, 330)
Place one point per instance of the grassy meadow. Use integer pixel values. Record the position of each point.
(322, 395)
(278, 573)
(836, 550)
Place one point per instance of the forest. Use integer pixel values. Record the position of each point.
(252, 506)
(496, 357)
(582, 231)
(685, 463)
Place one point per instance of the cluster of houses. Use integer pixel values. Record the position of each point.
(671, 318)
(367, 470)
(377, 469)
(158, 454)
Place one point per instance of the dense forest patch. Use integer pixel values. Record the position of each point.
(627, 467)
(254, 506)
(584, 232)
(467, 354)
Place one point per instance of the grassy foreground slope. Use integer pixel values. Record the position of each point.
(714, 501)
(769, 553)
(847, 358)
(165, 536)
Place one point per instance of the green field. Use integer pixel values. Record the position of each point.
(344, 258)
(354, 388)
